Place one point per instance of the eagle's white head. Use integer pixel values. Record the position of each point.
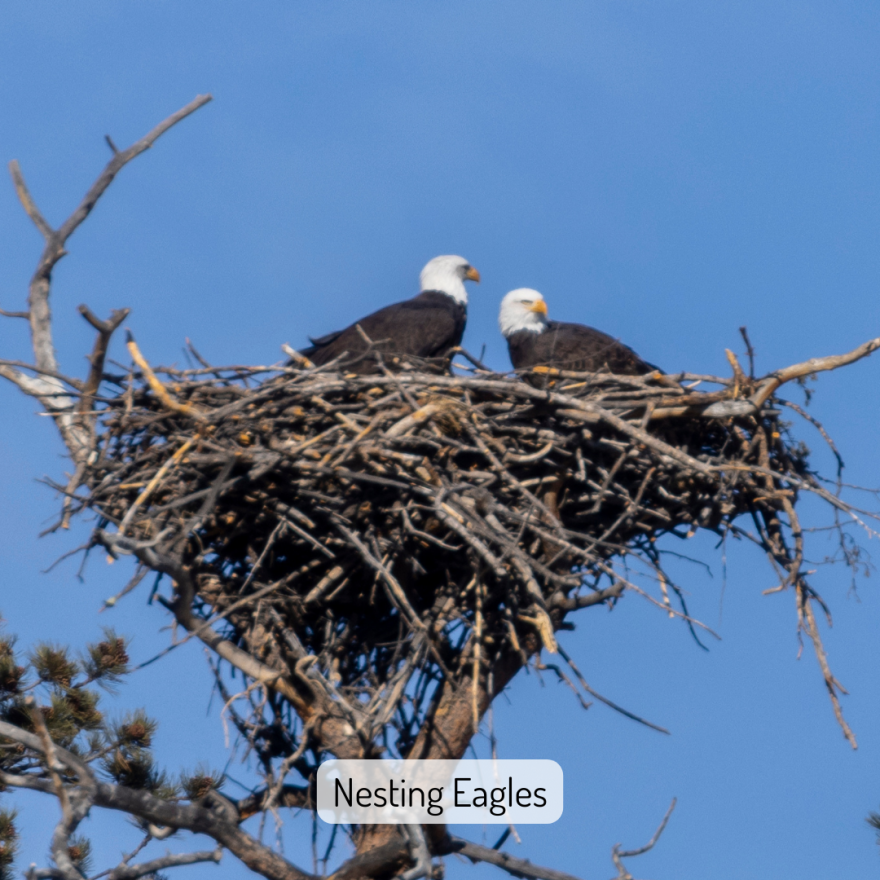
(448, 275)
(522, 309)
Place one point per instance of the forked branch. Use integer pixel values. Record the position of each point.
(617, 853)
(814, 365)
(48, 390)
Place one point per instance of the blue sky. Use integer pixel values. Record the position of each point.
(667, 172)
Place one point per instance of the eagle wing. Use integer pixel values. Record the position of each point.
(576, 347)
(425, 326)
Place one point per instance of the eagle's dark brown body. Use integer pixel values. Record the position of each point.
(574, 347)
(426, 326)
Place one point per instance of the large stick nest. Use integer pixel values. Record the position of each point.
(388, 531)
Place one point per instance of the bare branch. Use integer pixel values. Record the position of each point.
(27, 782)
(27, 201)
(814, 365)
(749, 351)
(605, 700)
(183, 612)
(252, 853)
(617, 854)
(122, 158)
(75, 435)
(50, 396)
(517, 867)
(831, 682)
(24, 365)
(99, 352)
(132, 872)
(572, 603)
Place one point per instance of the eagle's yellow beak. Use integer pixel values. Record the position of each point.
(540, 307)
(472, 274)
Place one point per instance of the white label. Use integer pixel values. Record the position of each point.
(466, 792)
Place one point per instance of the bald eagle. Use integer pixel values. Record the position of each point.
(426, 326)
(534, 341)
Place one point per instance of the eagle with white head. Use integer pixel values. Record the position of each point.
(426, 326)
(535, 341)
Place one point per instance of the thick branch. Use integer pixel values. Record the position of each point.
(70, 381)
(50, 395)
(377, 862)
(251, 852)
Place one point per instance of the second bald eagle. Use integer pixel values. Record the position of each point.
(533, 341)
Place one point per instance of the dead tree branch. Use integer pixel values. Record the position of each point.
(172, 860)
(49, 391)
(514, 866)
(771, 382)
(617, 854)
